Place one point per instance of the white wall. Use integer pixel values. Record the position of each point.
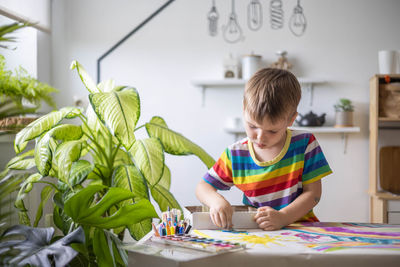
(161, 60)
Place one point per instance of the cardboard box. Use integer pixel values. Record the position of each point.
(242, 218)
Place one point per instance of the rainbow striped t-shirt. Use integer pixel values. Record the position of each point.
(275, 183)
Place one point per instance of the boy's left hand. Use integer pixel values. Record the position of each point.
(270, 219)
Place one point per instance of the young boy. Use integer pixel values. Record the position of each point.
(279, 170)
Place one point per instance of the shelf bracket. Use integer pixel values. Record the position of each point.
(203, 95)
(344, 142)
(310, 89)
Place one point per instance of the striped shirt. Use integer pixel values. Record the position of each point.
(275, 183)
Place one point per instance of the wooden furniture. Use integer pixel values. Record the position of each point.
(378, 198)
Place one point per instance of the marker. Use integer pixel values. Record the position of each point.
(188, 229)
(155, 229)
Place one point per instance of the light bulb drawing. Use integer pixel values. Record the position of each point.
(276, 12)
(232, 32)
(298, 22)
(254, 15)
(213, 17)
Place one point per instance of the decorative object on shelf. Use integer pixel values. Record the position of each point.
(213, 17)
(298, 22)
(254, 15)
(389, 99)
(311, 119)
(232, 31)
(231, 67)
(344, 113)
(276, 12)
(250, 64)
(282, 62)
(388, 61)
(389, 169)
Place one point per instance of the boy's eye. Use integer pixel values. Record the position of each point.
(252, 126)
(273, 132)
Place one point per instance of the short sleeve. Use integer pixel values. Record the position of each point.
(315, 164)
(220, 175)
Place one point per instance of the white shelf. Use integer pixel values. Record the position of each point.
(342, 130)
(307, 83)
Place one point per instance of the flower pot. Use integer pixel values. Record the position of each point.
(344, 119)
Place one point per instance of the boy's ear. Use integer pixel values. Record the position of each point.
(293, 118)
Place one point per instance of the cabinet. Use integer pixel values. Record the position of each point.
(379, 199)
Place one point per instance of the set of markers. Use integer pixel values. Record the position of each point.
(171, 224)
(174, 231)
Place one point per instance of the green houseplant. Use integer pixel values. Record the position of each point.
(101, 178)
(344, 113)
(20, 93)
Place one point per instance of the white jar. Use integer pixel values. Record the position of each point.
(250, 65)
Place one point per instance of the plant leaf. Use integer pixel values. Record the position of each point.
(44, 196)
(23, 164)
(81, 209)
(104, 245)
(148, 155)
(165, 180)
(66, 153)
(174, 143)
(41, 125)
(26, 187)
(119, 111)
(128, 177)
(85, 78)
(36, 248)
(139, 230)
(79, 171)
(164, 198)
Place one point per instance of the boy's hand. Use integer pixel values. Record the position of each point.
(221, 213)
(270, 219)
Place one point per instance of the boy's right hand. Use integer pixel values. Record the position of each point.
(221, 213)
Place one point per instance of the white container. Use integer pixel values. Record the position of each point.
(387, 61)
(250, 65)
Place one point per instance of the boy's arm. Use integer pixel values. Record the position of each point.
(220, 209)
(271, 219)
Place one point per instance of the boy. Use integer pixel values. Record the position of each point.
(279, 170)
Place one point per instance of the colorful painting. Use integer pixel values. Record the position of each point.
(320, 236)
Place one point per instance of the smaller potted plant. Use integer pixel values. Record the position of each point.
(344, 113)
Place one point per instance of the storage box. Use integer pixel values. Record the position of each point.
(242, 218)
(389, 100)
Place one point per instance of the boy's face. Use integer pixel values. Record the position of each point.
(266, 135)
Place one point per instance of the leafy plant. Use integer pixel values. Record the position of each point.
(7, 29)
(101, 177)
(344, 104)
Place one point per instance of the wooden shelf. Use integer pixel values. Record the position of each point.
(385, 195)
(307, 83)
(309, 129)
(323, 130)
(389, 119)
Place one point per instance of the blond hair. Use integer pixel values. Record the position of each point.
(273, 94)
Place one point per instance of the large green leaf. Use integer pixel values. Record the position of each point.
(128, 177)
(43, 152)
(174, 143)
(122, 158)
(36, 249)
(29, 153)
(23, 164)
(44, 197)
(86, 79)
(66, 153)
(79, 172)
(165, 180)
(148, 155)
(164, 198)
(108, 249)
(139, 230)
(82, 210)
(41, 125)
(119, 111)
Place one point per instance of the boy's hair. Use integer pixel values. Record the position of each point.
(273, 94)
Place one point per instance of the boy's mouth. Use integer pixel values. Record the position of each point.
(260, 145)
